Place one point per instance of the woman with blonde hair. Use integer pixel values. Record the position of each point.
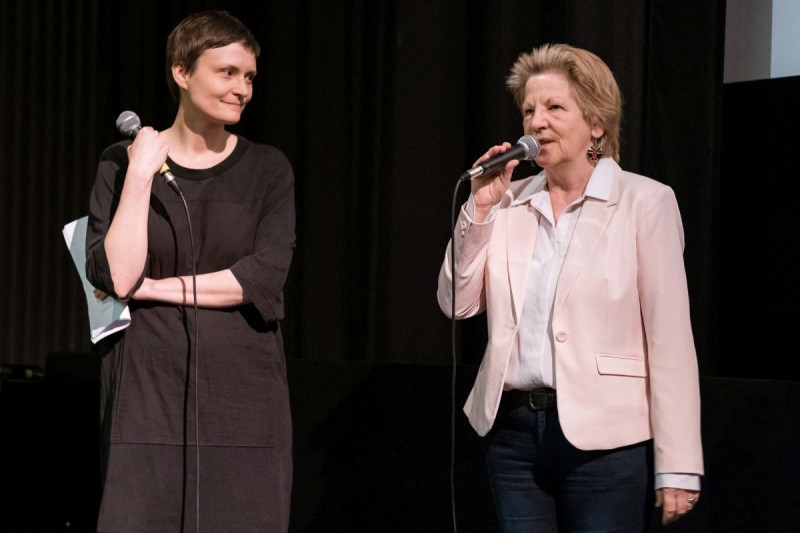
(588, 391)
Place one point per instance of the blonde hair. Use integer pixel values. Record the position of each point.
(592, 82)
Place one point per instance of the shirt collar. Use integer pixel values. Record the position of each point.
(598, 187)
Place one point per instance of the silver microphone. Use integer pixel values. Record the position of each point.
(526, 149)
(129, 124)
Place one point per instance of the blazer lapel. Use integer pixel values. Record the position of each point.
(592, 223)
(522, 227)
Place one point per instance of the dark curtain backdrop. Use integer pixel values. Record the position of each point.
(380, 106)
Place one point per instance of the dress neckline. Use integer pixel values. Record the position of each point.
(204, 173)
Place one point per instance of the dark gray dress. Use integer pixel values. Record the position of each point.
(242, 215)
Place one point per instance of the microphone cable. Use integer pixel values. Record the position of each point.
(196, 347)
(454, 352)
(195, 307)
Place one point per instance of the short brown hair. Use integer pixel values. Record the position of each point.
(197, 33)
(592, 82)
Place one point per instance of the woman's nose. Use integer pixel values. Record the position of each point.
(242, 87)
(535, 122)
(538, 120)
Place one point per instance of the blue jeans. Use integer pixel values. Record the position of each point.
(541, 483)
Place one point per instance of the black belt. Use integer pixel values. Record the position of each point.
(544, 398)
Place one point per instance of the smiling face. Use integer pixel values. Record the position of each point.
(218, 86)
(551, 114)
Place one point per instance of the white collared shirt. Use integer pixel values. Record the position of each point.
(531, 362)
(532, 357)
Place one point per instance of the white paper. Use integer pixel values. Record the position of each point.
(105, 316)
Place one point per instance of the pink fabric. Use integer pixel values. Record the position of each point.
(625, 362)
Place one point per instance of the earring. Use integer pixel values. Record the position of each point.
(595, 151)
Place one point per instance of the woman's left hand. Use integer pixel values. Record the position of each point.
(675, 503)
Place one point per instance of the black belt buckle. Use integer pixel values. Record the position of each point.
(542, 398)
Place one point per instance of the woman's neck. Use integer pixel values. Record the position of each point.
(566, 185)
(198, 145)
(569, 182)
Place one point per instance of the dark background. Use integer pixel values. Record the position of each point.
(380, 106)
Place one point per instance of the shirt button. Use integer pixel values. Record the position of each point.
(561, 336)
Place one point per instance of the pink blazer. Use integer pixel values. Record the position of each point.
(625, 362)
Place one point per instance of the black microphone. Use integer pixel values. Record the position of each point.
(128, 124)
(527, 148)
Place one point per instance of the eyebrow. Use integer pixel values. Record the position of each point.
(549, 100)
(236, 68)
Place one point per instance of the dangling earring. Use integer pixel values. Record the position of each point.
(595, 151)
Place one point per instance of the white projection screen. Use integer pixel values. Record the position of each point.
(762, 40)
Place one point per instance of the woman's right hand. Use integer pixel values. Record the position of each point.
(147, 154)
(126, 240)
(488, 189)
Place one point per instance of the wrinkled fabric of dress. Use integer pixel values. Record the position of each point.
(224, 368)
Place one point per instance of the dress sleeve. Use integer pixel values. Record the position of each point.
(103, 204)
(262, 274)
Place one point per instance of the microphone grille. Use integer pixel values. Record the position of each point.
(128, 123)
(531, 145)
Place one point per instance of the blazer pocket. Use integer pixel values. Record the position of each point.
(621, 365)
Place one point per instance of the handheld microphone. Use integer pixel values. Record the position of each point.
(129, 124)
(526, 149)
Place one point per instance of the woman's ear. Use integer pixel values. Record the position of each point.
(179, 74)
(598, 130)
